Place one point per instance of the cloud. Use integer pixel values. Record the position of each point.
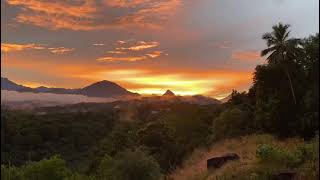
(116, 52)
(141, 45)
(98, 44)
(60, 50)
(121, 42)
(147, 13)
(136, 50)
(246, 55)
(154, 54)
(48, 99)
(86, 15)
(151, 55)
(131, 59)
(56, 14)
(11, 47)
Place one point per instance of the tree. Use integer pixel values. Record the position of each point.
(281, 50)
(129, 165)
(54, 168)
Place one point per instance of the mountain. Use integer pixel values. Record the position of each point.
(6, 84)
(168, 93)
(204, 100)
(105, 89)
(226, 99)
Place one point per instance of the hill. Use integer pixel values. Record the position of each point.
(6, 84)
(103, 89)
(250, 164)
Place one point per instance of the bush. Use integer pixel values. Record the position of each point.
(11, 173)
(268, 154)
(297, 156)
(232, 122)
(129, 165)
(50, 169)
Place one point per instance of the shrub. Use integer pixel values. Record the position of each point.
(272, 155)
(232, 122)
(129, 165)
(10, 173)
(50, 169)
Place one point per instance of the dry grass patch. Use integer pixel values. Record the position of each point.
(195, 167)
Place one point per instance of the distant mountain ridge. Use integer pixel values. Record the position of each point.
(168, 93)
(103, 89)
(226, 99)
(6, 84)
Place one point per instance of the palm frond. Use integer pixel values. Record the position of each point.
(268, 50)
(274, 58)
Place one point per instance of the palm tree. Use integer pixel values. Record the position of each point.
(282, 50)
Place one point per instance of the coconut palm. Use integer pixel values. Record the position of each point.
(282, 50)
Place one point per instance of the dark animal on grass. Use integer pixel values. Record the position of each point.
(219, 161)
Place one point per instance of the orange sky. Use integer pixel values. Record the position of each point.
(147, 46)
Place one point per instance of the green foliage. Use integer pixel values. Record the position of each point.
(157, 135)
(26, 136)
(232, 122)
(279, 157)
(122, 137)
(77, 176)
(50, 169)
(129, 165)
(285, 91)
(11, 173)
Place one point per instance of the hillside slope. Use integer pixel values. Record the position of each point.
(195, 167)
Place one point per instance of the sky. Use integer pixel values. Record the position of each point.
(207, 47)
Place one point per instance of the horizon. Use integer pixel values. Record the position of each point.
(160, 93)
(204, 47)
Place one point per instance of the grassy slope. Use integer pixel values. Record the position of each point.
(194, 168)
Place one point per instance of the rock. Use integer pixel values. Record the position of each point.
(285, 175)
(217, 162)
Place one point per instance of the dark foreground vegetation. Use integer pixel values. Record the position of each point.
(141, 140)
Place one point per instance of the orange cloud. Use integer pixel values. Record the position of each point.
(121, 42)
(85, 15)
(81, 9)
(155, 54)
(136, 46)
(246, 55)
(141, 45)
(125, 4)
(60, 50)
(131, 59)
(116, 52)
(9, 47)
(56, 14)
(151, 55)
